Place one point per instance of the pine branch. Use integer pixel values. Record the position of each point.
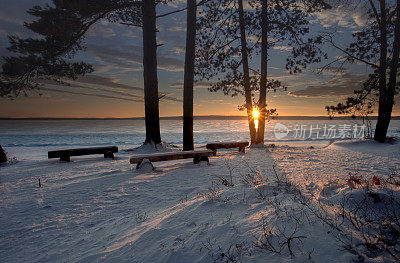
(376, 12)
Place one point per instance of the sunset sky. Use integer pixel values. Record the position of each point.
(115, 89)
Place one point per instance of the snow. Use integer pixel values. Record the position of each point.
(96, 209)
(334, 162)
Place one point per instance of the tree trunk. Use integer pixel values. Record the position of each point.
(151, 100)
(188, 143)
(246, 75)
(386, 114)
(263, 78)
(383, 117)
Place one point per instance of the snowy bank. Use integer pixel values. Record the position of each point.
(249, 207)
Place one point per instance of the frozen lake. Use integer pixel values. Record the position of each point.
(31, 139)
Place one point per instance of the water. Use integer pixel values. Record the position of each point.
(31, 139)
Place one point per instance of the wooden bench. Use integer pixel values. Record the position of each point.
(227, 145)
(198, 156)
(65, 155)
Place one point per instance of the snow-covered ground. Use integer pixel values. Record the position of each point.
(322, 164)
(241, 207)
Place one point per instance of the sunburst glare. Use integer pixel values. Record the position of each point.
(256, 113)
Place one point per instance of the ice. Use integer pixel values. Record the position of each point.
(32, 139)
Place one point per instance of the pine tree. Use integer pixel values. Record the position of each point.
(378, 46)
(63, 27)
(222, 47)
(246, 72)
(287, 22)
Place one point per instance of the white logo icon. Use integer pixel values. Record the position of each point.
(281, 131)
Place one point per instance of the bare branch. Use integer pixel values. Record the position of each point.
(350, 55)
(180, 10)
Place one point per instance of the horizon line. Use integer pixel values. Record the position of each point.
(180, 117)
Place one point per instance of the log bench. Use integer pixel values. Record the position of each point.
(227, 145)
(198, 156)
(65, 155)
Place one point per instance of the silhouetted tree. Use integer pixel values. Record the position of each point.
(287, 22)
(63, 27)
(246, 72)
(262, 102)
(376, 45)
(188, 143)
(152, 112)
(223, 49)
(221, 46)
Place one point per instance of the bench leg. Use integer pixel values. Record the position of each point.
(242, 149)
(143, 162)
(65, 159)
(214, 152)
(197, 160)
(109, 155)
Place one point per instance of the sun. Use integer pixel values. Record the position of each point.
(256, 113)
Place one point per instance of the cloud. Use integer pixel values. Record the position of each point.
(132, 33)
(129, 57)
(15, 11)
(170, 63)
(175, 4)
(197, 85)
(286, 77)
(177, 28)
(103, 81)
(89, 94)
(352, 15)
(323, 91)
(102, 29)
(340, 85)
(102, 85)
(178, 50)
(283, 48)
(334, 70)
(113, 46)
(121, 57)
(96, 88)
(223, 102)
